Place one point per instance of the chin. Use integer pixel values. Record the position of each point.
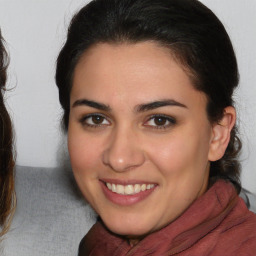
(130, 229)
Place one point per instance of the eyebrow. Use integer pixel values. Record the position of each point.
(138, 108)
(91, 103)
(159, 104)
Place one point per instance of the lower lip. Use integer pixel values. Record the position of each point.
(125, 200)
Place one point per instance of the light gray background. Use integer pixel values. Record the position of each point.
(35, 30)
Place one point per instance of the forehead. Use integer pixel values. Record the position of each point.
(142, 71)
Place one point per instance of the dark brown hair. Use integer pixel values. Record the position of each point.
(192, 32)
(7, 194)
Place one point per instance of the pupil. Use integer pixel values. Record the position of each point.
(160, 121)
(97, 119)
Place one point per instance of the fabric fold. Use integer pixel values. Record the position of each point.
(205, 228)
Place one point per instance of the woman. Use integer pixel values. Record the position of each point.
(146, 87)
(7, 195)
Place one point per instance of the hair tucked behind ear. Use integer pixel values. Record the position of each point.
(195, 37)
(7, 194)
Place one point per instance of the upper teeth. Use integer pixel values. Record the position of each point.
(128, 189)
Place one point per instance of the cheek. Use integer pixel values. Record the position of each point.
(183, 153)
(83, 150)
(169, 152)
(84, 157)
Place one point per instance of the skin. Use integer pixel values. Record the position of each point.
(129, 143)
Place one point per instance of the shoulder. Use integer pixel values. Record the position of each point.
(237, 232)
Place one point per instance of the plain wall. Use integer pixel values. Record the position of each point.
(35, 31)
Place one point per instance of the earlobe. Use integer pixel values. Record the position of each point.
(221, 134)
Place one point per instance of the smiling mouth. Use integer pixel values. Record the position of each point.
(130, 189)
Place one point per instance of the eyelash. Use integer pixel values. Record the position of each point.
(87, 117)
(171, 121)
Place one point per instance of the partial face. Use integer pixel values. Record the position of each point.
(138, 136)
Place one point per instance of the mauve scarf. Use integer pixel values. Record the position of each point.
(217, 223)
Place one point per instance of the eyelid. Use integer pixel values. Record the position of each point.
(83, 119)
(172, 121)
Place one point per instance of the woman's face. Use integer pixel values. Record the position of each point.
(138, 136)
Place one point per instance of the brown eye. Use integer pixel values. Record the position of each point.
(97, 119)
(160, 121)
(94, 120)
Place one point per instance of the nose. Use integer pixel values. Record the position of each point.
(123, 151)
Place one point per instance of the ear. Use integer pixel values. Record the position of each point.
(221, 134)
